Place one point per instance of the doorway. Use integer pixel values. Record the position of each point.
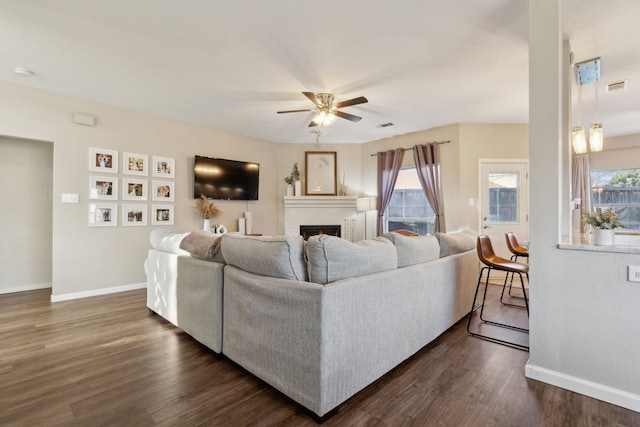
(504, 201)
(26, 214)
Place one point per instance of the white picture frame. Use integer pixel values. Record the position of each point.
(103, 160)
(162, 214)
(163, 167)
(163, 191)
(103, 214)
(134, 215)
(134, 189)
(103, 187)
(135, 164)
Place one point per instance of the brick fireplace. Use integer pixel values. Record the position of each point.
(321, 211)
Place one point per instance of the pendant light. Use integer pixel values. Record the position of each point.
(578, 137)
(596, 137)
(587, 72)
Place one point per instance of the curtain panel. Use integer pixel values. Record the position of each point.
(427, 160)
(389, 164)
(581, 181)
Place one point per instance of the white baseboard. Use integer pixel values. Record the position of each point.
(23, 288)
(582, 386)
(96, 292)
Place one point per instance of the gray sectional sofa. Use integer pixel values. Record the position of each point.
(321, 320)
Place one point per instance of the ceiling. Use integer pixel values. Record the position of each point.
(232, 65)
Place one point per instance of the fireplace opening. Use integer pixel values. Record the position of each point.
(307, 231)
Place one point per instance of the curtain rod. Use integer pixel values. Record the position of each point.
(409, 149)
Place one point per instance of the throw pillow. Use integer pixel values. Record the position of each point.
(203, 245)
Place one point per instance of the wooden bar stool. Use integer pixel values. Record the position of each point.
(514, 247)
(516, 250)
(491, 262)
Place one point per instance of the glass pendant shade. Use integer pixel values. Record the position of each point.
(579, 140)
(596, 138)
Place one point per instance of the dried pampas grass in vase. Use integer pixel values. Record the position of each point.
(207, 210)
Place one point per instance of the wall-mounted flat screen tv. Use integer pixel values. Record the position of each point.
(223, 179)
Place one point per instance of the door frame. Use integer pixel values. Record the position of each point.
(525, 199)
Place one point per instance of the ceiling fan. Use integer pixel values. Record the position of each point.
(327, 111)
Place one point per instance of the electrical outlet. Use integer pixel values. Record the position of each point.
(634, 273)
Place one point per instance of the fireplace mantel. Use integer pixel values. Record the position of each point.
(320, 201)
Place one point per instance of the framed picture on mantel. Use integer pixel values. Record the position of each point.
(321, 176)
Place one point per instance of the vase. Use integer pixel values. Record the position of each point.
(289, 191)
(603, 237)
(207, 225)
(297, 189)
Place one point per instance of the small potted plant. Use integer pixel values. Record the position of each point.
(207, 210)
(293, 180)
(604, 222)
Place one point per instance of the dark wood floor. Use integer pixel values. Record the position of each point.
(105, 361)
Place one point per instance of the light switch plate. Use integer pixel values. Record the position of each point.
(634, 273)
(70, 197)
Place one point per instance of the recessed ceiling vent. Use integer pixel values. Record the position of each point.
(385, 125)
(612, 87)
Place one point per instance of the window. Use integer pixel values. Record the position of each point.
(618, 188)
(409, 208)
(503, 197)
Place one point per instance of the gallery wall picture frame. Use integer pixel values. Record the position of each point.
(103, 214)
(134, 189)
(135, 164)
(321, 178)
(103, 160)
(163, 191)
(134, 215)
(162, 214)
(164, 167)
(103, 187)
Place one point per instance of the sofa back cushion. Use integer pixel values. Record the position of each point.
(456, 242)
(277, 256)
(331, 258)
(167, 241)
(414, 249)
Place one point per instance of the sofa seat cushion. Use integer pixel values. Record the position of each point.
(277, 256)
(203, 245)
(414, 249)
(459, 241)
(167, 241)
(331, 258)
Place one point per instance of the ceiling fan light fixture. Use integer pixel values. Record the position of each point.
(325, 117)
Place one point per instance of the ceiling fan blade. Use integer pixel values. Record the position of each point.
(292, 111)
(312, 124)
(312, 97)
(348, 116)
(354, 101)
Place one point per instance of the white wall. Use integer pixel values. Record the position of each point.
(618, 153)
(26, 174)
(89, 260)
(584, 315)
